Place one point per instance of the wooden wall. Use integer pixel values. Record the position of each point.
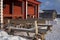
(17, 10)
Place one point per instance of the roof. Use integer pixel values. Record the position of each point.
(36, 2)
(58, 15)
(49, 11)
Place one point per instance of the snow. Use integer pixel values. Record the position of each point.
(55, 33)
(5, 36)
(3, 33)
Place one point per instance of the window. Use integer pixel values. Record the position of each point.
(29, 4)
(4, 5)
(20, 17)
(11, 8)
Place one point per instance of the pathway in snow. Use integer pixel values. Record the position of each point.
(55, 33)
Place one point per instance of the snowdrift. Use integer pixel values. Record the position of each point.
(4, 36)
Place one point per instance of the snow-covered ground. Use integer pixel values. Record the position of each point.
(55, 33)
(5, 36)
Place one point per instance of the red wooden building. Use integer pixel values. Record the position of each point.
(20, 9)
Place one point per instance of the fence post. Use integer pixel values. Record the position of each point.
(36, 27)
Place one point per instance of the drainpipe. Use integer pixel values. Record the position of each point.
(1, 14)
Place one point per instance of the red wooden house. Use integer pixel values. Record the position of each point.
(20, 9)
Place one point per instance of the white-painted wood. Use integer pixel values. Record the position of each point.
(38, 10)
(2, 13)
(36, 27)
(48, 22)
(43, 27)
(26, 8)
(22, 7)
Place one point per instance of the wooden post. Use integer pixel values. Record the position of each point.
(9, 29)
(36, 28)
(8, 21)
(43, 36)
(38, 10)
(25, 9)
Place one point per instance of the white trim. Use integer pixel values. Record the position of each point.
(48, 22)
(2, 13)
(38, 10)
(22, 7)
(26, 9)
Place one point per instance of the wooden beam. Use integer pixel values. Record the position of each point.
(36, 28)
(44, 25)
(28, 37)
(27, 30)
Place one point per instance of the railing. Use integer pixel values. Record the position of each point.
(28, 26)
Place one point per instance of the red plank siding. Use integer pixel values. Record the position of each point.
(6, 11)
(31, 10)
(17, 9)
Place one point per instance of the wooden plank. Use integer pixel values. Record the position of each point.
(28, 37)
(32, 30)
(44, 25)
(48, 27)
(26, 20)
(22, 29)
